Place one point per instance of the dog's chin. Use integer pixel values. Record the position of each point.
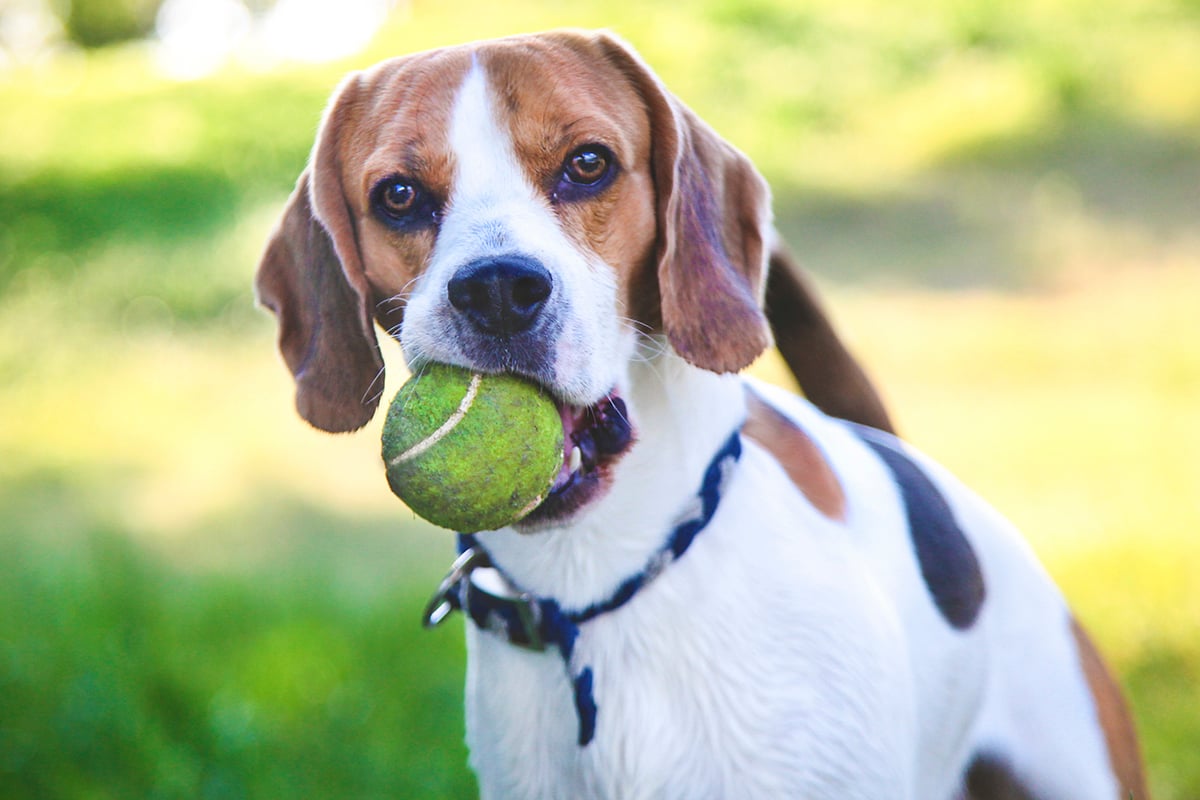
(595, 438)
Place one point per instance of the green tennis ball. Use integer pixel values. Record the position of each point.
(470, 451)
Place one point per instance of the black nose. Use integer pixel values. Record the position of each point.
(501, 296)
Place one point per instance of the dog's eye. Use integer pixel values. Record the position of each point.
(588, 165)
(404, 204)
(397, 197)
(586, 172)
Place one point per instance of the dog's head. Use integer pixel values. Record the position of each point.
(526, 205)
(530, 205)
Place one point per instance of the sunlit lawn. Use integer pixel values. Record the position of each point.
(201, 597)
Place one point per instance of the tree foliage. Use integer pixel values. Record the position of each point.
(95, 23)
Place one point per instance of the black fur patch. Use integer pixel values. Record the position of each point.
(948, 563)
(991, 779)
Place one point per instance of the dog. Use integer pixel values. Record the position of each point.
(731, 592)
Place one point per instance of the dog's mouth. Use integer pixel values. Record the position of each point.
(594, 439)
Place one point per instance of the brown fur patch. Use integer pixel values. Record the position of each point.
(555, 93)
(712, 218)
(1119, 733)
(799, 456)
(399, 128)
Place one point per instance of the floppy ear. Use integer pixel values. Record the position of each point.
(713, 215)
(714, 227)
(311, 277)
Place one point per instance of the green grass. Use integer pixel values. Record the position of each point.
(126, 677)
(201, 597)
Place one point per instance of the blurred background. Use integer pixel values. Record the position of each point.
(200, 597)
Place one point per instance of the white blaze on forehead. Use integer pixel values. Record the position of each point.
(493, 210)
(487, 176)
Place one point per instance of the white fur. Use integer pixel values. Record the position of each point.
(785, 655)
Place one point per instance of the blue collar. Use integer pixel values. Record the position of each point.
(494, 603)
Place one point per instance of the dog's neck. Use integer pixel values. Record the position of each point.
(682, 416)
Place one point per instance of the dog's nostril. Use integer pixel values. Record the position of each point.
(530, 290)
(467, 294)
(501, 296)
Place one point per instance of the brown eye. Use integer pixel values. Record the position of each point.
(588, 165)
(404, 204)
(397, 198)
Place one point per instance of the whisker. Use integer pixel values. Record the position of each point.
(400, 297)
(370, 398)
(622, 415)
(649, 346)
(393, 302)
(637, 325)
(655, 368)
(416, 378)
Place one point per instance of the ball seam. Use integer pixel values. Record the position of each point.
(444, 429)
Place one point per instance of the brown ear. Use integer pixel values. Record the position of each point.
(827, 372)
(713, 216)
(311, 276)
(714, 224)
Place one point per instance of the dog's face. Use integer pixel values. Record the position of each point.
(530, 205)
(507, 208)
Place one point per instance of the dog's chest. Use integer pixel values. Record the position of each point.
(747, 670)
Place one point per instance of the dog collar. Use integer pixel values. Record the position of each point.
(494, 603)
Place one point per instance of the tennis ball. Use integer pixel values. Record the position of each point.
(470, 451)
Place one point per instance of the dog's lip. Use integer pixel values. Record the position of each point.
(595, 437)
(593, 434)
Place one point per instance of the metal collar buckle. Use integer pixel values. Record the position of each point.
(503, 609)
(441, 605)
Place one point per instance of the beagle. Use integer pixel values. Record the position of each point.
(731, 592)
